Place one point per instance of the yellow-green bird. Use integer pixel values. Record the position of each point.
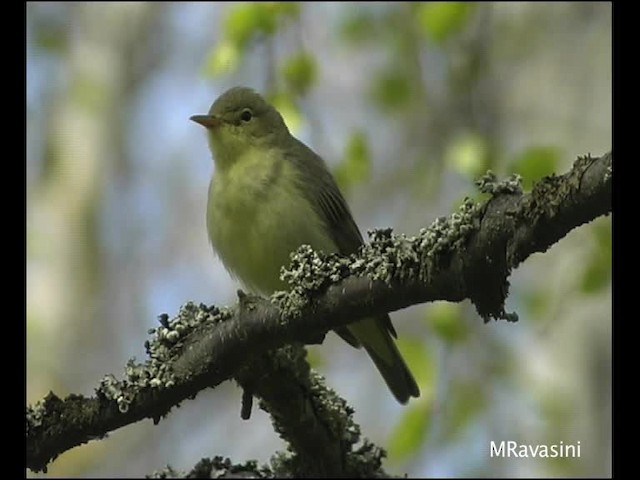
(269, 194)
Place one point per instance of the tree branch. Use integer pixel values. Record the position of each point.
(468, 255)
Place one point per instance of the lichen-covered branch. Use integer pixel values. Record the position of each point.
(467, 255)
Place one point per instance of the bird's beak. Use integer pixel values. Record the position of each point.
(207, 121)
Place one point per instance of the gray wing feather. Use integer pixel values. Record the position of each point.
(319, 186)
(317, 183)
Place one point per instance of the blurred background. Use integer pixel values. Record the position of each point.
(408, 103)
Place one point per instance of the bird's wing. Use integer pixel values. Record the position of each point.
(320, 188)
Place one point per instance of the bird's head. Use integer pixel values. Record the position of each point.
(240, 120)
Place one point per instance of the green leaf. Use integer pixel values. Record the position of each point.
(536, 302)
(356, 163)
(465, 402)
(535, 163)
(391, 90)
(248, 19)
(89, 92)
(299, 72)
(440, 20)
(359, 26)
(597, 272)
(468, 155)
(445, 318)
(284, 9)
(411, 431)
(51, 38)
(223, 58)
(601, 230)
(413, 428)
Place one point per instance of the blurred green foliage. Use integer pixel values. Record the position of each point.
(467, 154)
(246, 21)
(536, 162)
(51, 38)
(89, 93)
(412, 430)
(597, 271)
(243, 24)
(446, 320)
(558, 412)
(299, 72)
(248, 24)
(441, 20)
(536, 303)
(355, 165)
(223, 58)
(360, 25)
(466, 399)
(391, 89)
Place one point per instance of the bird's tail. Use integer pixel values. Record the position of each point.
(375, 336)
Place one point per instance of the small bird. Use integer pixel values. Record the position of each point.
(270, 194)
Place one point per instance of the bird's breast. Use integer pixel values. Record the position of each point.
(257, 215)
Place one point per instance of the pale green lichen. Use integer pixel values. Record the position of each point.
(386, 258)
(167, 472)
(283, 463)
(166, 343)
(36, 414)
(325, 413)
(608, 172)
(398, 257)
(334, 410)
(489, 183)
(366, 461)
(309, 272)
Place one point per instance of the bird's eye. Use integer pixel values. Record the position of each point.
(246, 115)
